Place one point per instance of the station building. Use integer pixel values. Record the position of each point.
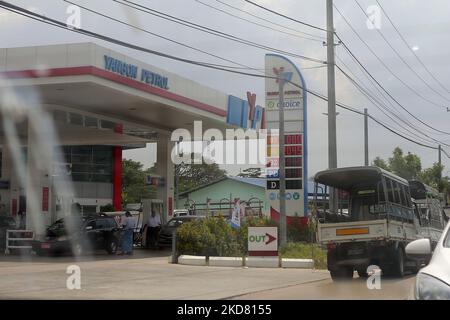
(99, 102)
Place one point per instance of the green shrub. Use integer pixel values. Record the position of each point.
(211, 236)
(298, 250)
(297, 232)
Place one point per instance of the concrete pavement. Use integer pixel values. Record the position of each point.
(146, 275)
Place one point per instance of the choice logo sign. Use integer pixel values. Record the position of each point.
(295, 137)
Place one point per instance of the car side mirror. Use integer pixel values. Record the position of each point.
(89, 228)
(419, 250)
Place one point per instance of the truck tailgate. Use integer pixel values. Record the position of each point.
(354, 231)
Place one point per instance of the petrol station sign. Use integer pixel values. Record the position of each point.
(295, 137)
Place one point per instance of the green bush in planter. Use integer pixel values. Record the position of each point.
(211, 236)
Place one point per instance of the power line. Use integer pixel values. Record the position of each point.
(211, 31)
(269, 21)
(351, 53)
(383, 63)
(285, 16)
(373, 100)
(365, 92)
(385, 90)
(56, 23)
(409, 47)
(382, 94)
(404, 61)
(256, 23)
(162, 37)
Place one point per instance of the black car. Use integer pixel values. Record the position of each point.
(6, 223)
(78, 235)
(165, 234)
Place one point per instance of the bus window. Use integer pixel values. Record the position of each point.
(364, 204)
(390, 191)
(380, 192)
(396, 190)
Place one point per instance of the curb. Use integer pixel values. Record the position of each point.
(252, 262)
(225, 262)
(262, 262)
(192, 260)
(297, 263)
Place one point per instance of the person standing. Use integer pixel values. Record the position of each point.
(21, 220)
(129, 225)
(153, 226)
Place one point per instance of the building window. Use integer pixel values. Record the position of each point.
(88, 163)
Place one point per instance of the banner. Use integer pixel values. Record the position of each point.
(295, 137)
(236, 214)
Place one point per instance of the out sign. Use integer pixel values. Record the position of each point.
(263, 241)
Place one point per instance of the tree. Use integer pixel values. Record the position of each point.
(134, 188)
(194, 175)
(380, 163)
(250, 173)
(409, 167)
(406, 166)
(432, 177)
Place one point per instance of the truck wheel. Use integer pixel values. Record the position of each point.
(342, 273)
(398, 269)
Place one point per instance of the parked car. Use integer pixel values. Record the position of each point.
(6, 223)
(78, 235)
(432, 281)
(165, 234)
(181, 212)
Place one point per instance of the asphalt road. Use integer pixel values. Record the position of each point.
(355, 289)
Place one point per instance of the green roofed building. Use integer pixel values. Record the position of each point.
(221, 194)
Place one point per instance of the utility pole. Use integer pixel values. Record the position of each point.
(440, 163)
(366, 137)
(332, 148)
(177, 182)
(283, 229)
(440, 154)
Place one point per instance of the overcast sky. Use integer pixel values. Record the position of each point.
(425, 25)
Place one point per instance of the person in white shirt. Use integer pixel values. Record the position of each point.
(153, 226)
(129, 224)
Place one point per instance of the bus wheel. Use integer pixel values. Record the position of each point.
(342, 273)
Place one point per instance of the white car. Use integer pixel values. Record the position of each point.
(432, 281)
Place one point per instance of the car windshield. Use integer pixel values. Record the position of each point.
(177, 222)
(57, 229)
(63, 226)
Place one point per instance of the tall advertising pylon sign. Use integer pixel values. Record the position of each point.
(295, 138)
